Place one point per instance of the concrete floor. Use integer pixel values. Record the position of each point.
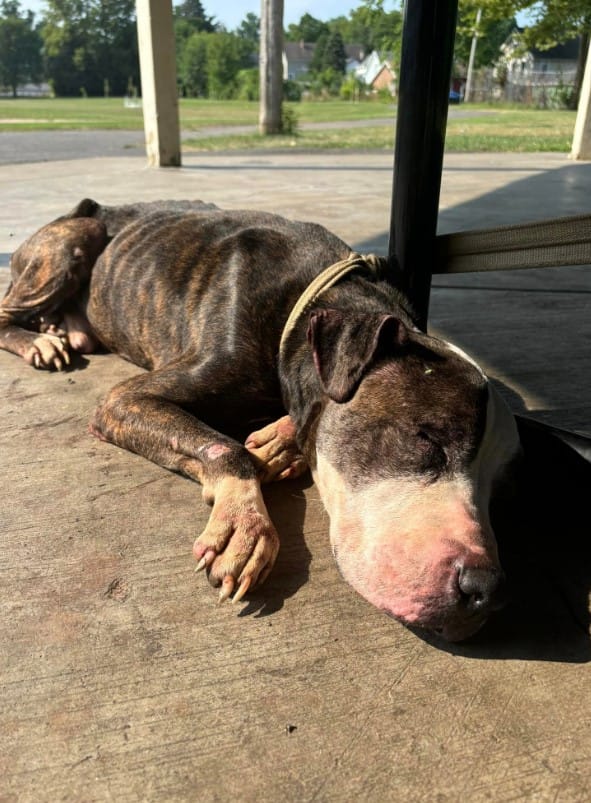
(121, 679)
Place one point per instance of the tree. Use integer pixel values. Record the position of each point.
(376, 29)
(552, 22)
(250, 30)
(192, 66)
(114, 47)
(90, 44)
(334, 53)
(189, 18)
(193, 14)
(308, 29)
(65, 33)
(317, 60)
(329, 54)
(226, 56)
(20, 47)
(491, 35)
(271, 67)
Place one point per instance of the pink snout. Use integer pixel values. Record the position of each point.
(428, 559)
(447, 590)
(422, 552)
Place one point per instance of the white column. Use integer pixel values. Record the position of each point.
(581, 148)
(159, 89)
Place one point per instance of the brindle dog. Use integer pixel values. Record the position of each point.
(404, 434)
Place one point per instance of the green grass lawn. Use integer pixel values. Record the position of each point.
(513, 130)
(494, 129)
(42, 114)
(497, 130)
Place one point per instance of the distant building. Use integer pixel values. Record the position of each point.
(355, 55)
(297, 57)
(540, 67)
(377, 73)
(28, 91)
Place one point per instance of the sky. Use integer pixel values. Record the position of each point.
(232, 13)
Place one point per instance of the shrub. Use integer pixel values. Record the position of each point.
(289, 121)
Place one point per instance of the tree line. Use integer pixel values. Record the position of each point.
(90, 47)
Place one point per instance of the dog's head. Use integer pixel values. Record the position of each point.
(53, 263)
(408, 446)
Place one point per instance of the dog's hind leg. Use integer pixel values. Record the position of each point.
(147, 414)
(275, 451)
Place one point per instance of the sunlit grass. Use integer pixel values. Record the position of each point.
(42, 114)
(491, 128)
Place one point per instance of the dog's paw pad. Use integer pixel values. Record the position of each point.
(48, 351)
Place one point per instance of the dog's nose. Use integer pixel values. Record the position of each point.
(483, 590)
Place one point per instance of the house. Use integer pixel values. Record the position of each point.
(29, 90)
(385, 79)
(297, 57)
(377, 72)
(355, 55)
(557, 65)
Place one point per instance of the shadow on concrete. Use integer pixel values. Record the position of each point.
(545, 549)
(286, 503)
(260, 163)
(544, 534)
(513, 289)
(517, 202)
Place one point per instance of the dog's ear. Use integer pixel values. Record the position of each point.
(85, 208)
(345, 344)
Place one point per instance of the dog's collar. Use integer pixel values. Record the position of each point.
(334, 273)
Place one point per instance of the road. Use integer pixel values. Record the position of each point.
(51, 146)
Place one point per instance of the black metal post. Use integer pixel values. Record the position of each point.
(423, 98)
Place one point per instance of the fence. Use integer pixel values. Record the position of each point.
(545, 89)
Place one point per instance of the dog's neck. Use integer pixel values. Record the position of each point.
(357, 282)
(324, 281)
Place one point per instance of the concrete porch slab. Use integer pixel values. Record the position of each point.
(121, 677)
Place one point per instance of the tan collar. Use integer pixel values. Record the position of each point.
(323, 282)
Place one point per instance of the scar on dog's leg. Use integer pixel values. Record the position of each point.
(145, 414)
(275, 451)
(47, 271)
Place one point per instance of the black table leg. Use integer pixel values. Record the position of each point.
(424, 84)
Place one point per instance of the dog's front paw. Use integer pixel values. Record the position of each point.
(276, 452)
(239, 545)
(49, 351)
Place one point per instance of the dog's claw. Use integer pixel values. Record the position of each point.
(227, 588)
(205, 560)
(242, 589)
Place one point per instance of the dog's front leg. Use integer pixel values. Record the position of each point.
(145, 415)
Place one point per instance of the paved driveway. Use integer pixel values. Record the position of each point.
(51, 146)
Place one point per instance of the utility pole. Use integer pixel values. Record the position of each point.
(470, 76)
(271, 66)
